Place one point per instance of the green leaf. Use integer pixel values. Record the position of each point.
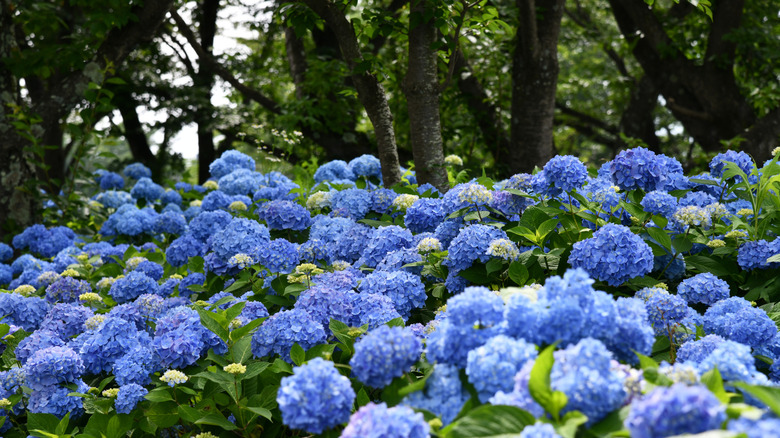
(395, 322)
(255, 368)
(239, 285)
(769, 396)
(494, 265)
(646, 362)
(713, 380)
(533, 217)
(217, 419)
(570, 423)
(661, 237)
(234, 310)
(160, 394)
(518, 273)
(539, 385)
(546, 228)
(195, 264)
(263, 412)
(244, 330)
(164, 414)
(44, 422)
(297, 354)
(362, 398)
(490, 421)
(682, 244)
(210, 321)
(242, 350)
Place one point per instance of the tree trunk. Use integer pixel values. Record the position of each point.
(534, 82)
(637, 120)
(421, 87)
(203, 83)
(370, 92)
(135, 134)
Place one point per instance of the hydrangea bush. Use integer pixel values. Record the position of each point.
(632, 300)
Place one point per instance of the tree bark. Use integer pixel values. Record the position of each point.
(203, 81)
(370, 92)
(534, 82)
(637, 120)
(421, 87)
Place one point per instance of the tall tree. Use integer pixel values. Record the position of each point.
(95, 40)
(534, 82)
(421, 87)
(370, 91)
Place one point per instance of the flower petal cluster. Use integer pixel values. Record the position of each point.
(378, 421)
(384, 354)
(614, 255)
(675, 410)
(283, 329)
(316, 397)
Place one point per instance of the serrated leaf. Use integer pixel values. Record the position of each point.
(661, 237)
(518, 273)
(490, 421)
(211, 321)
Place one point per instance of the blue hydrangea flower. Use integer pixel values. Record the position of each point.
(383, 241)
(394, 261)
(356, 201)
(492, 366)
(128, 397)
(665, 311)
(66, 320)
(129, 220)
(753, 254)
(180, 339)
(316, 397)
(565, 173)
(67, 290)
(660, 203)
(443, 394)
(229, 162)
(39, 340)
(696, 350)
(25, 312)
(703, 288)
(285, 215)
(424, 215)
(111, 180)
(329, 229)
(44, 242)
(205, 224)
(171, 197)
(6, 274)
(637, 168)
(339, 280)
(56, 401)
(323, 303)
(351, 244)
(614, 255)
(675, 410)
(405, 290)
(240, 236)
(448, 230)
(131, 286)
(170, 222)
(114, 198)
(371, 309)
(333, 170)
(279, 256)
(379, 421)
(740, 158)
(734, 361)
(109, 342)
(737, 320)
(51, 366)
(539, 430)
(472, 317)
(470, 245)
(283, 329)
(135, 366)
(147, 189)
(151, 269)
(365, 166)
(697, 199)
(6, 252)
(382, 200)
(241, 182)
(520, 396)
(315, 251)
(584, 373)
(633, 331)
(384, 354)
(182, 248)
(137, 171)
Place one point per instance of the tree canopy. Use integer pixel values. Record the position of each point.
(504, 85)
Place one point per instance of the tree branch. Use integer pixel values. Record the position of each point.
(221, 71)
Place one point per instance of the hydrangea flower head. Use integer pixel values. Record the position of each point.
(406, 290)
(614, 255)
(703, 288)
(174, 377)
(637, 168)
(128, 397)
(740, 158)
(283, 329)
(316, 397)
(503, 249)
(285, 215)
(384, 354)
(471, 244)
(675, 410)
(475, 194)
(51, 366)
(137, 171)
(660, 203)
(753, 254)
(492, 367)
(565, 173)
(229, 162)
(379, 421)
(428, 244)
